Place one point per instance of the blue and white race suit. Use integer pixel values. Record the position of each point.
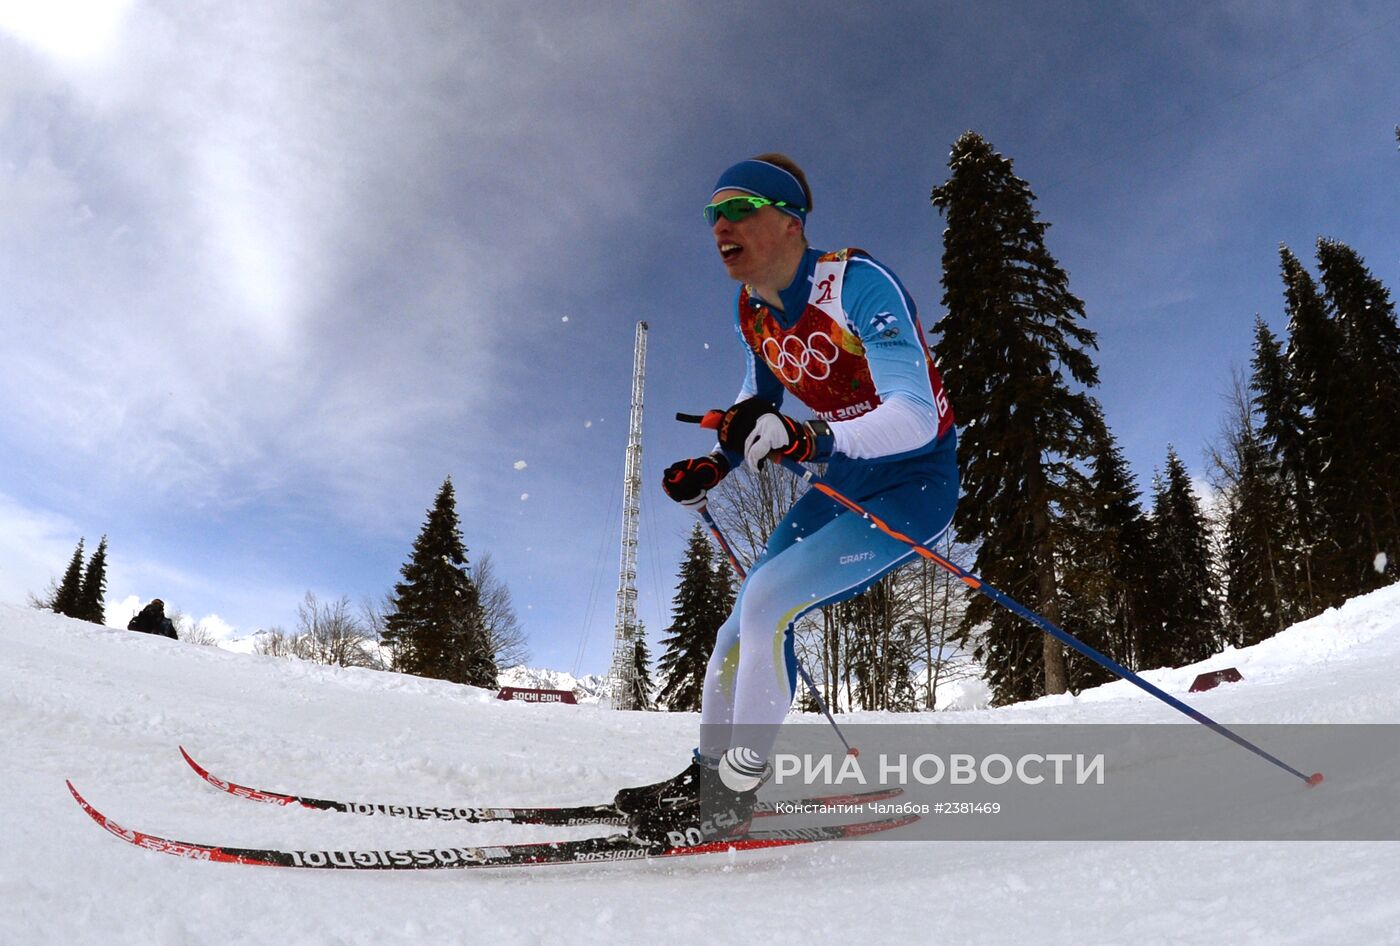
(848, 344)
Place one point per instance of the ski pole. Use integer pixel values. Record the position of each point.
(712, 418)
(1011, 604)
(801, 670)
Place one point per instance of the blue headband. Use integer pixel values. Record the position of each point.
(765, 180)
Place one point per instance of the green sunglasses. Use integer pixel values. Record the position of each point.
(737, 208)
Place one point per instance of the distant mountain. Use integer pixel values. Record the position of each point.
(587, 689)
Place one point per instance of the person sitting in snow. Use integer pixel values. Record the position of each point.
(152, 620)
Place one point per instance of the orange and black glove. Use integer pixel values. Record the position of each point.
(687, 481)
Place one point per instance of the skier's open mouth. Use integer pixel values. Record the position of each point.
(730, 251)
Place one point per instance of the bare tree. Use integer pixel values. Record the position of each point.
(330, 634)
(374, 614)
(504, 633)
(194, 632)
(373, 618)
(748, 507)
(43, 602)
(326, 634)
(274, 642)
(937, 602)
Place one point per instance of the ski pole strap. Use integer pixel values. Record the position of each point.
(709, 420)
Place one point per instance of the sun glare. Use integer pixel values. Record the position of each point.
(73, 31)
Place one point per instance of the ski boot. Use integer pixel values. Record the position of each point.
(713, 805)
(631, 801)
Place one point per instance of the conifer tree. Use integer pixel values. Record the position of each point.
(1107, 566)
(702, 602)
(70, 588)
(1012, 346)
(1282, 437)
(1367, 517)
(641, 672)
(435, 624)
(93, 593)
(1320, 372)
(1184, 617)
(1256, 600)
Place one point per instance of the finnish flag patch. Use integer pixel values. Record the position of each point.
(884, 323)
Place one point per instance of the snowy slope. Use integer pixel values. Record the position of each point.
(107, 708)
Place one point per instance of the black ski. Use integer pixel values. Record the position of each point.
(578, 814)
(619, 847)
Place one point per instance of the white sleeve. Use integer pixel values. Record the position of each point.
(898, 425)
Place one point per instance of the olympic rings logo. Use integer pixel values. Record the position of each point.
(792, 358)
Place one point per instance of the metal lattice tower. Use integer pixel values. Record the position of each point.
(624, 671)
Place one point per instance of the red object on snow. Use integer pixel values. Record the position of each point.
(1209, 681)
(536, 696)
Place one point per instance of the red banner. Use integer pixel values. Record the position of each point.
(1209, 681)
(536, 696)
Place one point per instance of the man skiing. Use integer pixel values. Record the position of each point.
(840, 333)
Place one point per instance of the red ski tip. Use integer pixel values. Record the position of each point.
(853, 752)
(1315, 779)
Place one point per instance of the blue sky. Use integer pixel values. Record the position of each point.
(270, 271)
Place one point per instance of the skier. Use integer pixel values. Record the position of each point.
(838, 331)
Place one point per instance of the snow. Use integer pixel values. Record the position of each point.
(107, 709)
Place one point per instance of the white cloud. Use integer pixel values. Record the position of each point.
(120, 613)
(214, 626)
(263, 250)
(72, 31)
(520, 464)
(188, 221)
(35, 547)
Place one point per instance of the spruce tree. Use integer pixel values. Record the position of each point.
(93, 593)
(1256, 597)
(1011, 350)
(70, 588)
(641, 672)
(701, 604)
(1320, 372)
(1282, 437)
(435, 624)
(1184, 617)
(1368, 516)
(1107, 566)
